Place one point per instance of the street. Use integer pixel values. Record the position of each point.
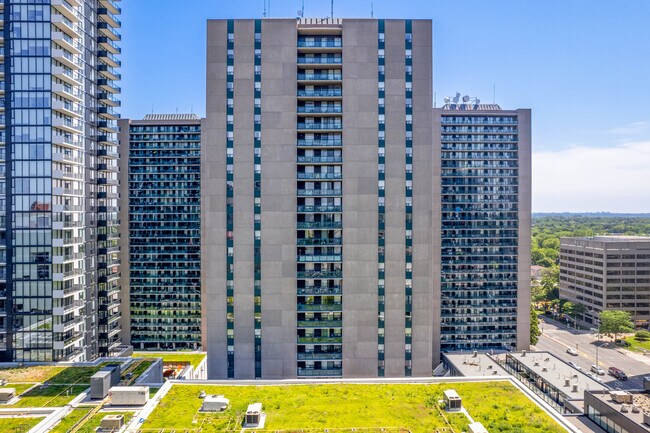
(557, 339)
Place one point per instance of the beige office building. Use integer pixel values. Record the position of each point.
(607, 273)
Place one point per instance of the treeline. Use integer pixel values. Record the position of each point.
(547, 231)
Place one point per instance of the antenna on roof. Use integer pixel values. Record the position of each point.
(302, 9)
(332, 9)
(494, 93)
(372, 11)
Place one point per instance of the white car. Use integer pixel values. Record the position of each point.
(599, 371)
(594, 377)
(574, 365)
(572, 351)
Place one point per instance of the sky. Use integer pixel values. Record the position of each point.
(582, 66)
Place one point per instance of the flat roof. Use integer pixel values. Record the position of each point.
(555, 371)
(468, 364)
(609, 238)
(640, 399)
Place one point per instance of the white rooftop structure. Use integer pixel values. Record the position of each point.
(177, 116)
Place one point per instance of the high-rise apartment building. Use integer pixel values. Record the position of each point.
(485, 225)
(160, 213)
(318, 199)
(607, 273)
(59, 257)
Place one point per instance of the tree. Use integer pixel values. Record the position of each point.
(642, 336)
(573, 310)
(615, 322)
(534, 327)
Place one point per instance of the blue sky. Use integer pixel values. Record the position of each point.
(582, 66)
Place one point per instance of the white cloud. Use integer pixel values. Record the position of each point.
(630, 129)
(588, 179)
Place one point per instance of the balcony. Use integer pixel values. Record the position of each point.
(319, 192)
(324, 60)
(106, 153)
(67, 42)
(320, 159)
(319, 126)
(319, 176)
(312, 258)
(320, 209)
(320, 290)
(108, 112)
(323, 109)
(66, 140)
(108, 85)
(320, 307)
(66, 58)
(324, 142)
(108, 99)
(107, 30)
(67, 124)
(108, 72)
(111, 5)
(67, 108)
(67, 91)
(66, 26)
(66, 9)
(109, 17)
(319, 356)
(68, 241)
(320, 77)
(109, 59)
(314, 274)
(319, 225)
(319, 241)
(311, 372)
(320, 93)
(320, 340)
(68, 76)
(320, 323)
(66, 157)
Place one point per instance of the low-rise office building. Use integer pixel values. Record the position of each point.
(618, 411)
(607, 273)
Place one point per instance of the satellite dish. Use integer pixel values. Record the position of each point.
(447, 99)
(478, 101)
(456, 98)
(465, 98)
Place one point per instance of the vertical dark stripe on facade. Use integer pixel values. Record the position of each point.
(257, 286)
(230, 308)
(408, 250)
(381, 205)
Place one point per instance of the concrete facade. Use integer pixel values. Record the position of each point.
(341, 337)
(607, 272)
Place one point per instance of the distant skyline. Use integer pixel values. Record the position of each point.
(580, 66)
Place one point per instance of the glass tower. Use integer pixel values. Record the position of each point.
(163, 231)
(59, 267)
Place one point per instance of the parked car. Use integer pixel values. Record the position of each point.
(574, 365)
(572, 351)
(596, 369)
(617, 373)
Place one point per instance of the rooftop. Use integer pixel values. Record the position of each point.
(558, 373)
(611, 238)
(471, 107)
(468, 364)
(640, 400)
(162, 117)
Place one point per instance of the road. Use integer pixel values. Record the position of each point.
(557, 339)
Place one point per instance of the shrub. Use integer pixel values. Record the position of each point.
(642, 335)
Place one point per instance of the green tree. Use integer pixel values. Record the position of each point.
(642, 336)
(552, 243)
(615, 322)
(534, 327)
(573, 310)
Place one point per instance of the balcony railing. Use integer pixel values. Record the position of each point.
(304, 372)
(320, 60)
(302, 175)
(319, 258)
(321, 92)
(321, 77)
(320, 142)
(320, 307)
(320, 224)
(319, 274)
(321, 126)
(317, 356)
(320, 340)
(321, 109)
(323, 208)
(319, 192)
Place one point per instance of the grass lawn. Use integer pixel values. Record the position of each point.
(70, 419)
(53, 395)
(76, 375)
(18, 425)
(171, 358)
(498, 405)
(39, 373)
(637, 345)
(19, 387)
(140, 368)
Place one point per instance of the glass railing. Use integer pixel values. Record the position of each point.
(319, 258)
(320, 142)
(320, 224)
(320, 92)
(319, 60)
(322, 208)
(319, 356)
(319, 192)
(319, 274)
(320, 340)
(320, 77)
(319, 241)
(320, 43)
(320, 323)
(320, 159)
(319, 175)
(316, 373)
(305, 125)
(104, 11)
(320, 307)
(321, 109)
(334, 290)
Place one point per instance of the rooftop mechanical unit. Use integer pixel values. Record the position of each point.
(7, 394)
(453, 401)
(129, 395)
(214, 403)
(622, 397)
(112, 422)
